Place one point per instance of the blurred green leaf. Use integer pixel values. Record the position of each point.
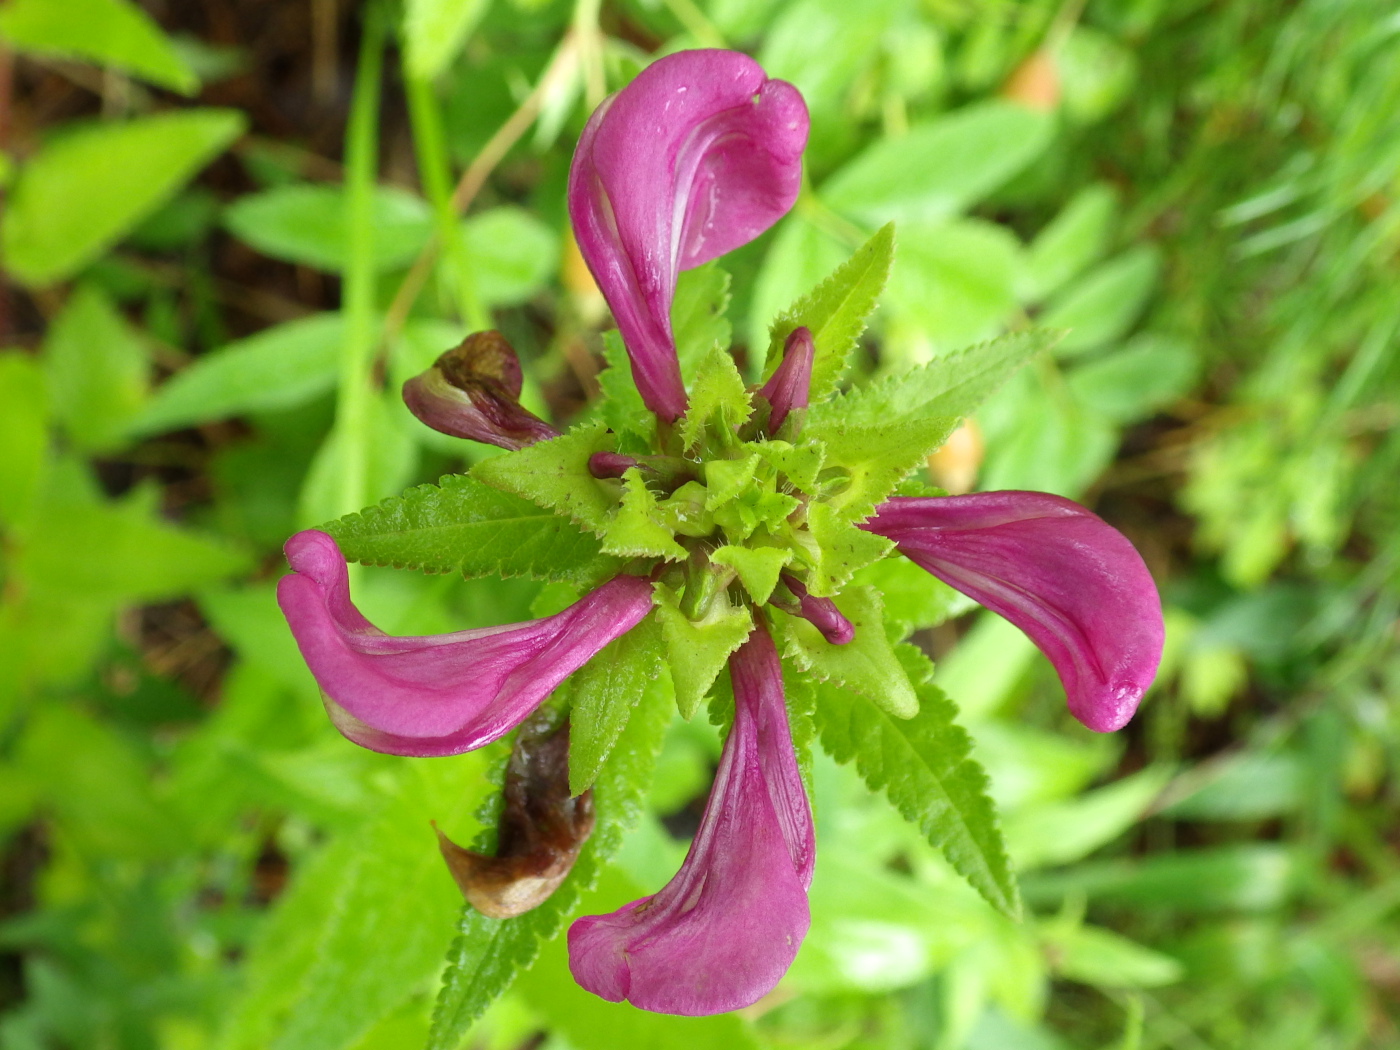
(85, 190)
(698, 318)
(435, 30)
(1103, 304)
(364, 924)
(392, 456)
(462, 525)
(1246, 877)
(1067, 831)
(955, 280)
(1250, 786)
(96, 369)
(941, 167)
(1149, 373)
(305, 223)
(114, 33)
(606, 691)
(117, 552)
(1074, 239)
(24, 416)
(280, 367)
(924, 765)
(1107, 960)
(513, 254)
(98, 784)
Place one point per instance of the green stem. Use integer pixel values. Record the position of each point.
(435, 172)
(357, 296)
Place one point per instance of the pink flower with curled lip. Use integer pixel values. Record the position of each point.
(721, 934)
(440, 694)
(1068, 579)
(696, 157)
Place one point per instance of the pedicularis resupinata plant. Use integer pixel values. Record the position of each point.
(693, 523)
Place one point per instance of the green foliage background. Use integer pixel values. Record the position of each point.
(211, 214)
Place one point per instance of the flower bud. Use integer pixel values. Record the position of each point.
(788, 388)
(472, 391)
(821, 612)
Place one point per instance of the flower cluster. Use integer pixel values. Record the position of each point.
(727, 516)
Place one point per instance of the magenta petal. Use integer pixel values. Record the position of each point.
(1060, 573)
(698, 155)
(822, 613)
(441, 694)
(722, 933)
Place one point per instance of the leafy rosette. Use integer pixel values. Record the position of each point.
(718, 536)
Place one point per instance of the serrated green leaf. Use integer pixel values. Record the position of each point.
(698, 650)
(866, 665)
(113, 33)
(278, 368)
(842, 550)
(728, 479)
(799, 464)
(758, 567)
(949, 387)
(462, 525)
(876, 458)
(555, 474)
(741, 517)
(633, 531)
(605, 691)
(488, 953)
(836, 312)
(96, 368)
(923, 765)
(82, 192)
(718, 400)
(697, 316)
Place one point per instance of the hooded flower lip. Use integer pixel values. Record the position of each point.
(1073, 583)
(441, 694)
(698, 155)
(721, 934)
(790, 385)
(473, 391)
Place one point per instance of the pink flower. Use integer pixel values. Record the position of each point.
(1063, 575)
(697, 156)
(721, 933)
(442, 694)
